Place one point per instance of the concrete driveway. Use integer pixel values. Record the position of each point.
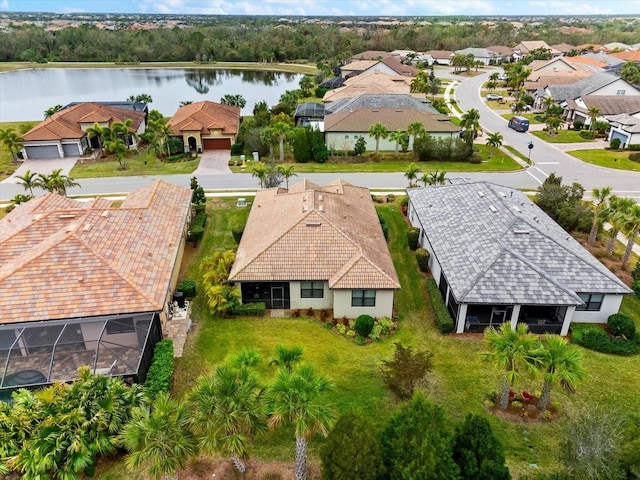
(214, 162)
(45, 166)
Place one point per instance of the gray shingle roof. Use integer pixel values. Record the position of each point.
(581, 87)
(513, 255)
(381, 101)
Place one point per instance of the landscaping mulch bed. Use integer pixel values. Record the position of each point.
(525, 410)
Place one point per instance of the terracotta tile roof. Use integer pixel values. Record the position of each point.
(62, 258)
(586, 60)
(440, 54)
(628, 56)
(66, 123)
(398, 119)
(399, 67)
(359, 65)
(528, 45)
(371, 55)
(563, 47)
(308, 232)
(206, 116)
(371, 82)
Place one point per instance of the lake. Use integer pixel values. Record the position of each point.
(26, 94)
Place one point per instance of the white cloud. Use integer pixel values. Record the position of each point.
(4, 4)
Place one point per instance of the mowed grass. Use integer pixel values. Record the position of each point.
(618, 159)
(459, 382)
(562, 136)
(143, 163)
(532, 117)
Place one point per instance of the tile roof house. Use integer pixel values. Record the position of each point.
(563, 48)
(64, 134)
(440, 57)
(82, 283)
(500, 53)
(342, 129)
(370, 82)
(392, 100)
(607, 105)
(625, 127)
(557, 71)
(370, 55)
(523, 48)
(627, 56)
(483, 55)
(316, 247)
(497, 257)
(206, 125)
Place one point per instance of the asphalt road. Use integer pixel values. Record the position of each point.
(547, 159)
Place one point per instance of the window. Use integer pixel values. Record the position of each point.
(356, 136)
(363, 298)
(120, 325)
(347, 137)
(593, 302)
(620, 92)
(311, 289)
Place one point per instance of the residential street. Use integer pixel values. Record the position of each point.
(547, 158)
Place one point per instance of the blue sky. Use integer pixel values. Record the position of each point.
(331, 7)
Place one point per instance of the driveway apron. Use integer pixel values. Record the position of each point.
(214, 162)
(44, 166)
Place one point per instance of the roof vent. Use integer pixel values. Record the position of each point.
(503, 195)
(493, 209)
(314, 224)
(480, 193)
(521, 231)
(66, 216)
(87, 227)
(305, 208)
(38, 217)
(305, 198)
(517, 209)
(105, 214)
(321, 208)
(320, 197)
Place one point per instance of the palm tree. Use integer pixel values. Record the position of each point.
(227, 410)
(28, 180)
(260, 172)
(618, 208)
(593, 113)
(548, 102)
(494, 139)
(96, 131)
(512, 351)
(378, 131)
(560, 362)
(158, 437)
(13, 141)
(55, 182)
(600, 206)
(397, 137)
(287, 357)
(631, 226)
(163, 131)
(412, 173)
(494, 76)
(306, 84)
(268, 136)
(123, 130)
(420, 83)
(51, 110)
(470, 120)
(233, 100)
(118, 148)
(287, 172)
(553, 123)
(491, 85)
(416, 129)
(298, 397)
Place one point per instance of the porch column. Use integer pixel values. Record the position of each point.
(462, 318)
(514, 316)
(567, 320)
(60, 150)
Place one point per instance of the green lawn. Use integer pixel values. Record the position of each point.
(618, 159)
(7, 166)
(498, 162)
(563, 136)
(531, 116)
(459, 382)
(137, 164)
(518, 154)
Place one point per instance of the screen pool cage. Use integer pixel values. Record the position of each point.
(40, 353)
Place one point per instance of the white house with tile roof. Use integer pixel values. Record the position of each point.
(497, 257)
(316, 247)
(86, 283)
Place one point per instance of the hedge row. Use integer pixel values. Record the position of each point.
(443, 319)
(161, 369)
(188, 287)
(594, 337)
(251, 309)
(197, 228)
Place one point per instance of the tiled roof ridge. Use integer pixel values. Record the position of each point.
(355, 259)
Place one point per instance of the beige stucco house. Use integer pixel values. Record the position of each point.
(206, 125)
(316, 247)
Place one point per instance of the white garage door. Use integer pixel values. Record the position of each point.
(42, 151)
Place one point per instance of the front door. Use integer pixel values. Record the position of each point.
(277, 297)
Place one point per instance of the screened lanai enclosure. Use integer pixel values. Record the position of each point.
(41, 353)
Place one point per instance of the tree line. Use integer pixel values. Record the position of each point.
(255, 40)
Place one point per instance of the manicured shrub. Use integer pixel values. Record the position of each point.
(236, 149)
(386, 324)
(200, 220)
(634, 157)
(443, 318)
(250, 309)
(635, 273)
(364, 325)
(188, 287)
(384, 226)
(595, 338)
(196, 234)
(620, 325)
(636, 288)
(320, 91)
(615, 143)
(237, 232)
(375, 332)
(161, 369)
(577, 125)
(199, 208)
(634, 147)
(422, 257)
(412, 237)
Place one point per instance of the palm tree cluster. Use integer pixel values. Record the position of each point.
(518, 354)
(427, 178)
(114, 139)
(426, 83)
(12, 141)
(55, 182)
(623, 214)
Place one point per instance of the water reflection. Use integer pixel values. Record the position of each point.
(26, 94)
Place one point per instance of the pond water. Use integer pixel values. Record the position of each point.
(26, 94)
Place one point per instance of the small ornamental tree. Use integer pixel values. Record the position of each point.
(621, 325)
(352, 450)
(422, 257)
(360, 147)
(364, 325)
(404, 372)
(478, 452)
(416, 443)
(413, 234)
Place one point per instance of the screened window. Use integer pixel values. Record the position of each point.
(593, 302)
(620, 92)
(120, 325)
(363, 298)
(311, 289)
